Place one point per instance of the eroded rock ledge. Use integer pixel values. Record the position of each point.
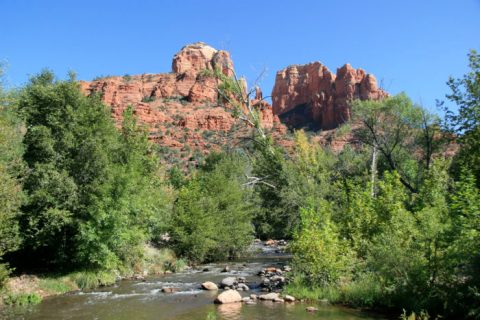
(311, 96)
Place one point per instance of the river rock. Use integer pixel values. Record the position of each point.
(277, 279)
(311, 309)
(243, 287)
(253, 296)
(269, 296)
(208, 285)
(229, 296)
(288, 298)
(170, 290)
(226, 269)
(270, 242)
(246, 299)
(228, 282)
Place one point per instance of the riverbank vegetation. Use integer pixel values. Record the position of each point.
(389, 222)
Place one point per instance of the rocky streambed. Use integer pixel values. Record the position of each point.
(254, 283)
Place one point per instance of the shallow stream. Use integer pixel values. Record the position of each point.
(134, 299)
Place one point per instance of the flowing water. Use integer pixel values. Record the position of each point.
(133, 299)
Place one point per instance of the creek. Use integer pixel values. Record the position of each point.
(144, 299)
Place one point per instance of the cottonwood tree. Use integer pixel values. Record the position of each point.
(465, 124)
(403, 134)
(11, 172)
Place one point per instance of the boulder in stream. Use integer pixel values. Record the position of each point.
(311, 309)
(229, 296)
(228, 282)
(242, 287)
(269, 296)
(208, 285)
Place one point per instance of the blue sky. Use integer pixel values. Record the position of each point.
(411, 46)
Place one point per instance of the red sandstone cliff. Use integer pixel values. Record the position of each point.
(180, 108)
(184, 117)
(312, 96)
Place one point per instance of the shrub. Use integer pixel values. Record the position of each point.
(148, 99)
(212, 216)
(22, 299)
(93, 279)
(4, 273)
(318, 253)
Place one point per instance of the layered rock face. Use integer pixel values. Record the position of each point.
(311, 96)
(182, 112)
(180, 108)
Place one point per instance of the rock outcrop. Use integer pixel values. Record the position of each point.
(187, 119)
(311, 96)
(181, 108)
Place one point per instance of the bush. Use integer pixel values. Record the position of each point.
(318, 253)
(93, 279)
(4, 273)
(365, 291)
(22, 299)
(212, 215)
(301, 288)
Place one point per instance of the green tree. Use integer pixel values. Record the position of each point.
(465, 93)
(462, 280)
(320, 257)
(402, 133)
(11, 173)
(212, 217)
(93, 192)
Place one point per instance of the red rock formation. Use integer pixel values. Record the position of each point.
(180, 108)
(182, 113)
(312, 96)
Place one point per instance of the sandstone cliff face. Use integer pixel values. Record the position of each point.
(180, 108)
(183, 115)
(311, 96)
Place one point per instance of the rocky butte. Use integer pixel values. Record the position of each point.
(181, 109)
(184, 114)
(311, 96)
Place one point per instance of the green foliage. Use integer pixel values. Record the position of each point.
(22, 299)
(299, 288)
(465, 93)
(318, 252)
(365, 291)
(148, 99)
(92, 279)
(212, 215)
(57, 285)
(211, 316)
(11, 173)
(4, 273)
(402, 132)
(95, 195)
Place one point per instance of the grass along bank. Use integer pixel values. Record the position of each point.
(32, 289)
(365, 292)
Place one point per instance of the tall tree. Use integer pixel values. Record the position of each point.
(11, 172)
(89, 185)
(465, 93)
(402, 133)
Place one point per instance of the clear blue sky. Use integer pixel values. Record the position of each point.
(410, 45)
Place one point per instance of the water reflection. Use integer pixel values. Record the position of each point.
(230, 311)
